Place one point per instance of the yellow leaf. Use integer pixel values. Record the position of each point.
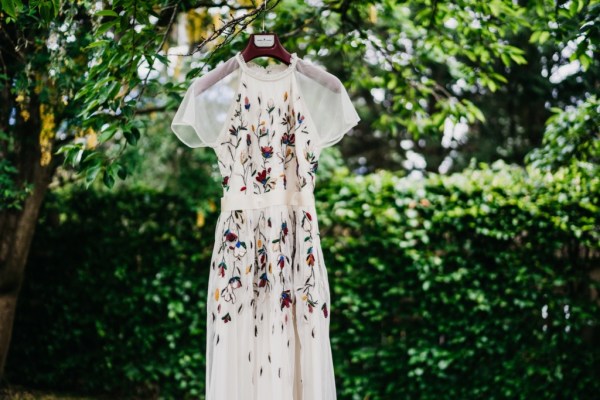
(212, 205)
(217, 294)
(46, 134)
(45, 159)
(199, 219)
(91, 140)
(372, 14)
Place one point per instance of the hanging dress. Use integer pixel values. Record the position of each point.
(268, 305)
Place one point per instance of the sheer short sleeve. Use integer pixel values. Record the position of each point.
(328, 102)
(200, 118)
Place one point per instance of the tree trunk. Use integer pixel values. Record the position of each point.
(18, 226)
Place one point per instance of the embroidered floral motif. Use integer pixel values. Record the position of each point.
(264, 281)
(222, 268)
(240, 250)
(267, 151)
(263, 178)
(288, 139)
(267, 145)
(309, 283)
(286, 299)
(230, 236)
(228, 292)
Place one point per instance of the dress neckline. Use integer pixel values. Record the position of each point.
(270, 72)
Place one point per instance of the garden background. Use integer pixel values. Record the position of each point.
(459, 219)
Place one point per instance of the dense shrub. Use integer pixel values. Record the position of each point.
(115, 296)
(472, 286)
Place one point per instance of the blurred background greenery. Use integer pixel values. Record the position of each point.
(459, 220)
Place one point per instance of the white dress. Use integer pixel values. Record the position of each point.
(269, 304)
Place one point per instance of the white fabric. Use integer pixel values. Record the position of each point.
(201, 116)
(330, 106)
(237, 201)
(268, 303)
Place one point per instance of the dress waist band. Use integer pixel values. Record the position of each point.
(277, 198)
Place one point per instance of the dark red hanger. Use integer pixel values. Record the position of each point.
(275, 50)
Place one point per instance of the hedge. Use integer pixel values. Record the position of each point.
(477, 285)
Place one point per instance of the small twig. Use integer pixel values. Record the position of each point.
(232, 23)
(222, 4)
(149, 110)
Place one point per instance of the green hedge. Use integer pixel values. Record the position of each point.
(472, 286)
(440, 286)
(115, 296)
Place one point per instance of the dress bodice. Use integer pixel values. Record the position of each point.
(267, 143)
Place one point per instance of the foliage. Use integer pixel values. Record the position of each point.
(11, 196)
(572, 136)
(92, 69)
(418, 69)
(475, 285)
(115, 296)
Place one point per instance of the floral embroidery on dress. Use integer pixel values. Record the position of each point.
(260, 155)
(268, 300)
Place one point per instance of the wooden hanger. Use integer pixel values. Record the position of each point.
(265, 44)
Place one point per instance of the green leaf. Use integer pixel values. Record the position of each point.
(97, 44)
(535, 37)
(91, 174)
(544, 36)
(66, 148)
(46, 10)
(77, 157)
(107, 134)
(585, 61)
(519, 59)
(11, 7)
(132, 136)
(105, 27)
(499, 77)
(56, 6)
(121, 171)
(108, 179)
(106, 13)
(92, 158)
(136, 132)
